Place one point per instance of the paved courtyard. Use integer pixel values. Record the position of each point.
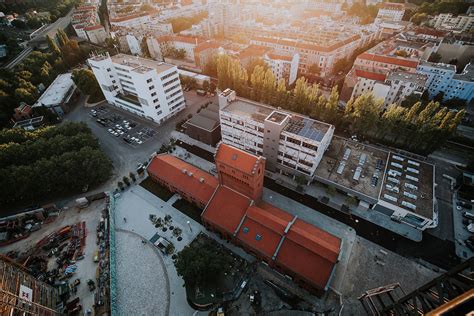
(142, 279)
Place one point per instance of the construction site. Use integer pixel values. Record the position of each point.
(62, 267)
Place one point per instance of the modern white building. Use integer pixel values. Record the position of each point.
(283, 66)
(142, 86)
(443, 78)
(132, 20)
(390, 12)
(402, 84)
(291, 143)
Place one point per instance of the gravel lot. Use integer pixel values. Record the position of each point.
(142, 288)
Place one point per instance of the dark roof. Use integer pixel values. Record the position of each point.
(203, 122)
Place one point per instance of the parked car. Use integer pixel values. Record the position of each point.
(468, 215)
(460, 205)
(469, 244)
(470, 228)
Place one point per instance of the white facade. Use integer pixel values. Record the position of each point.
(134, 45)
(443, 78)
(283, 67)
(403, 84)
(446, 21)
(291, 143)
(133, 20)
(58, 94)
(96, 34)
(390, 12)
(144, 87)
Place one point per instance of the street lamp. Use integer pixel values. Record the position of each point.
(189, 224)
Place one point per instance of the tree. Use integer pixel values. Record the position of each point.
(205, 85)
(366, 113)
(132, 176)
(419, 18)
(341, 65)
(200, 264)
(435, 57)
(62, 37)
(144, 47)
(314, 69)
(254, 62)
(52, 45)
(86, 82)
(72, 53)
(18, 24)
(330, 110)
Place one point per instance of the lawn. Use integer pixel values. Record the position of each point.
(188, 209)
(157, 189)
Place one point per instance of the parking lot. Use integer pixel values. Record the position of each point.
(125, 129)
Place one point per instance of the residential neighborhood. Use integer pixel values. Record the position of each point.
(218, 157)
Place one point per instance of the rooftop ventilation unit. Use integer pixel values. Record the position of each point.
(390, 198)
(411, 178)
(394, 180)
(413, 170)
(409, 195)
(201, 180)
(347, 153)
(392, 188)
(411, 186)
(374, 181)
(190, 174)
(409, 205)
(414, 163)
(394, 173)
(396, 165)
(184, 171)
(357, 174)
(340, 169)
(379, 164)
(398, 158)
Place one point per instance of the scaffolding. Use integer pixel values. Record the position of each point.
(447, 289)
(22, 293)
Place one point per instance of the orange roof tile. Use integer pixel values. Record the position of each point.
(279, 57)
(128, 17)
(309, 46)
(253, 51)
(93, 27)
(170, 169)
(236, 158)
(178, 38)
(206, 45)
(389, 60)
(226, 209)
(370, 75)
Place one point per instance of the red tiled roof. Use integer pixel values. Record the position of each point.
(226, 209)
(128, 17)
(253, 51)
(170, 169)
(85, 8)
(236, 158)
(392, 6)
(269, 224)
(279, 57)
(206, 45)
(93, 27)
(389, 60)
(309, 46)
(370, 75)
(179, 38)
(309, 252)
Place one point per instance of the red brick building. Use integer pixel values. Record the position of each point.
(235, 211)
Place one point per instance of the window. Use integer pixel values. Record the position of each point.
(149, 80)
(153, 94)
(151, 87)
(109, 70)
(155, 100)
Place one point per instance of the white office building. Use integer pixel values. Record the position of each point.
(390, 12)
(144, 87)
(291, 143)
(283, 66)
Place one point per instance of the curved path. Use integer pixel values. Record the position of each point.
(142, 280)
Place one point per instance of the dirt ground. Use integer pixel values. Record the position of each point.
(86, 268)
(370, 268)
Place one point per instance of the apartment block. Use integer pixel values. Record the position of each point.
(291, 143)
(83, 17)
(449, 22)
(283, 66)
(160, 46)
(144, 87)
(132, 20)
(392, 12)
(443, 78)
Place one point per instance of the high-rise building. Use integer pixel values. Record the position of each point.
(142, 86)
(291, 143)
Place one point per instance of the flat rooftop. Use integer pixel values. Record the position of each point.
(438, 65)
(343, 157)
(140, 65)
(416, 78)
(410, 182)
(297, 124)
(380, 174)
(57, 92)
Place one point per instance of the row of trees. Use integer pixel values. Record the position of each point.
(56, 8)
(416, 126)
(86, 81)
(50, 161)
